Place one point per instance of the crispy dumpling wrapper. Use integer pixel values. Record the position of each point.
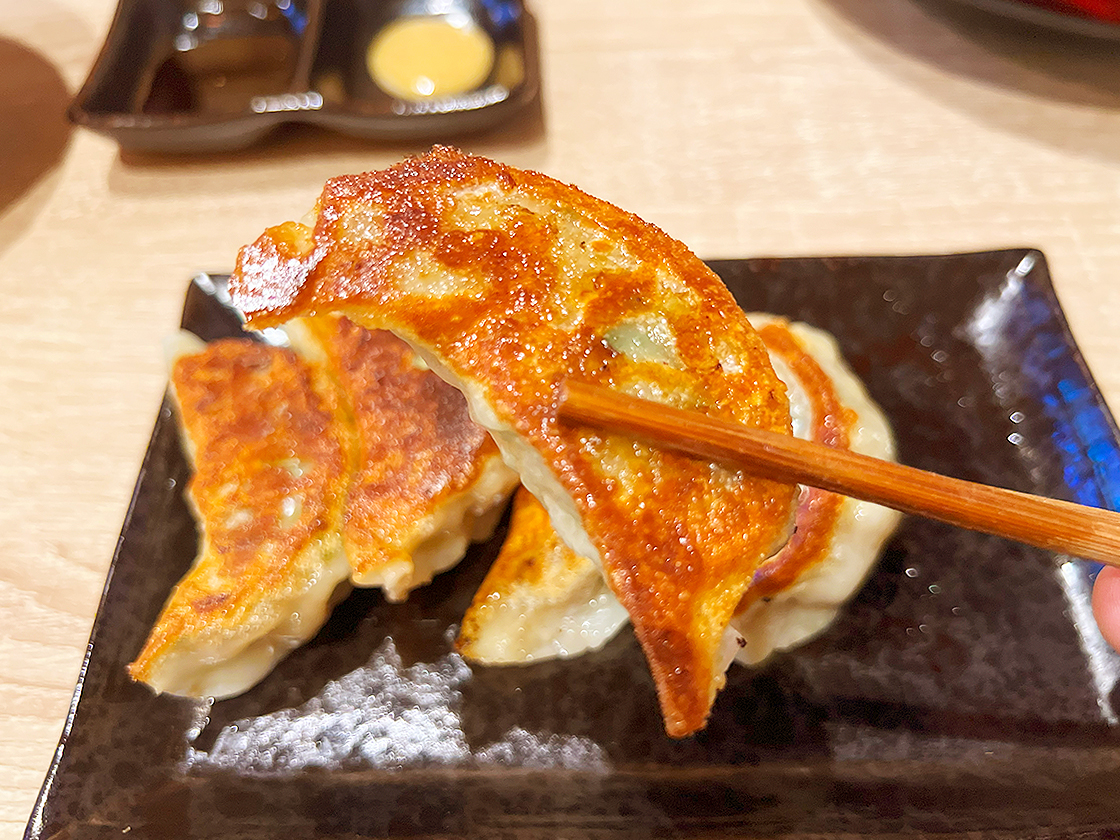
(271, 458)
(541, 600)
(797, 593)
(509, 283)
(427, 480)
(350, 460)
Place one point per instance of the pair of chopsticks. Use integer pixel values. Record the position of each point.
(1058, 526)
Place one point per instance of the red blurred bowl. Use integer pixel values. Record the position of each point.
(1092, 18)
(1107, 10)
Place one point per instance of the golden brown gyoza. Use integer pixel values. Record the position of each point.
(427, 480)
(798, 592)
(510, 283)
(271, 459)
(540, 599)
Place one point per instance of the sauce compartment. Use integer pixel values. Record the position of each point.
(205, 75)
(223, 54)
(364, 102)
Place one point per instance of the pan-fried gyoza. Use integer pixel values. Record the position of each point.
(508, 283)
(351, 462)
(541, 600)
(271, 457)
(427, 480)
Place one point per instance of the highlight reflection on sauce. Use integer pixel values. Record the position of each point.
(426, 57)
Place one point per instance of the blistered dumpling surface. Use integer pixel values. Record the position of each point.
(427, 479)
(271, 458)
(540, 600)
(536, 592)
(510, 283)
(798, 592)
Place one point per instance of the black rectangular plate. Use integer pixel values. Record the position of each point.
(963, 692)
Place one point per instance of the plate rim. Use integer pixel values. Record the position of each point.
(1041, 280)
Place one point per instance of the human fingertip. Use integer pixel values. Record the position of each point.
(1106, 604)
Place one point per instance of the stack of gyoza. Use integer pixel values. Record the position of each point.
(508, 284)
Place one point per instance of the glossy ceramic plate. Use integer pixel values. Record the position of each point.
(187, 76)
(964, 692)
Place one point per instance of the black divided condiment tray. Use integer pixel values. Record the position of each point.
(187, 76)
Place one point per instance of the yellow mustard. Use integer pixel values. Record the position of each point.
(427, 57)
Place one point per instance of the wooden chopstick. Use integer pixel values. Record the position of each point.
(1055, 525)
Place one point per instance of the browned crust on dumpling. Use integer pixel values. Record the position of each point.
(530, 534)
(271, 463)
(532, 559)
(417, 445)
(818, 510)
(679, 539)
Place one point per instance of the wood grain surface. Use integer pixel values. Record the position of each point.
(742, 127)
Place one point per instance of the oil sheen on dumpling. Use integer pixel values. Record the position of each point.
(542, 600)
(509, 283)
(427, 479)
(797, 593)
(271, 460)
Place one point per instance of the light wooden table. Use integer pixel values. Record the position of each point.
(742, 127)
